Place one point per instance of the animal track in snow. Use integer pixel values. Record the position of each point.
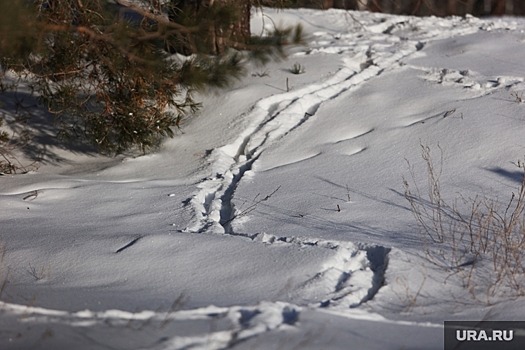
(351, 277)
(470, 80)
(273, 118)
(238, 323)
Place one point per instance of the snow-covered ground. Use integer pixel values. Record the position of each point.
(278, 220)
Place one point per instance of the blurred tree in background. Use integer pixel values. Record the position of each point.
(422, 7)
(122, 74)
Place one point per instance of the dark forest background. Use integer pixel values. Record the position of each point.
(422, 7)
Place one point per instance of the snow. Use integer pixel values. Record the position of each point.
(277, 219)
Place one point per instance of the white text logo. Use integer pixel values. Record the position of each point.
(482, 335)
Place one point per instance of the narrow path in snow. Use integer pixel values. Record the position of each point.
(378, 47)
(271, 119)
(211, 328)
(338, 283)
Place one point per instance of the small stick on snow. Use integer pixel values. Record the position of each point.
(128, 245)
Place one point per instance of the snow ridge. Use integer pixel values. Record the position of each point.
(242, 322)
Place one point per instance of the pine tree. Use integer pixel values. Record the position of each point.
(107, 71)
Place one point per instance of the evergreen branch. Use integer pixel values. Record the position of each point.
(93, 35)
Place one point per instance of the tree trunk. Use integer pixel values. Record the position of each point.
(216, 34)
(518, 7)
(498, 7)
(238, 32)
(374, 6)
(346, 4)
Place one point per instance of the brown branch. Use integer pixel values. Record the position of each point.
(71, 28)
(93, 35)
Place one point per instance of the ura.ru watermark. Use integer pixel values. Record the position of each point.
(484, 335)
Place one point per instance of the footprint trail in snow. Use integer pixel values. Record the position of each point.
(357, 272)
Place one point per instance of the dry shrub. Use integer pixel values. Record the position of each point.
(476, 237)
